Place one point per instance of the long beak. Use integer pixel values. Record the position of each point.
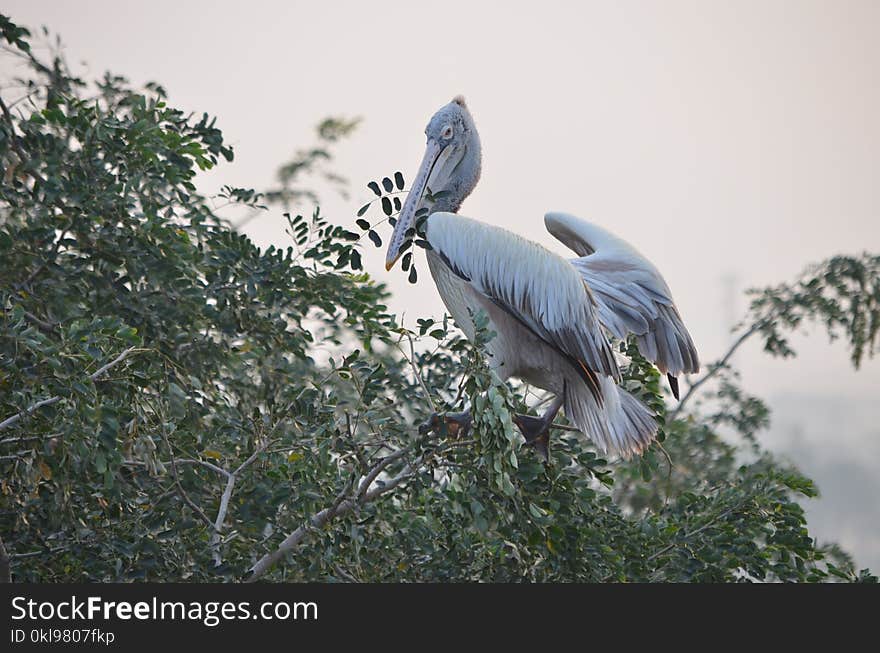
(407, 216)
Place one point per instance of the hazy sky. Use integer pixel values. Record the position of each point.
(726, 140)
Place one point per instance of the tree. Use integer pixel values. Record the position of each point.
(178, 404)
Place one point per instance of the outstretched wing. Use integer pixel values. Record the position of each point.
(534, 285)
(631, 294)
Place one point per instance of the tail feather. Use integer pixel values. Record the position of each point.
(673, 385)
(635, 423)
(620, 425)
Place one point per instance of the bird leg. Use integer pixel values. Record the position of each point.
(536, 430)
(455, 425)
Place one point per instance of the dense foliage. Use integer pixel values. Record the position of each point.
(178, 404)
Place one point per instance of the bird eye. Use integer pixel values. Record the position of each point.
(447, 132)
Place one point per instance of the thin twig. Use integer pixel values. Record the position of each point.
(30, 438)
(660, 446)
(180, 491)
(687, 536)
(33, 554)
(43, 325)
(252, 458)
(564, 427)
(346, 575)
(341, 507)
(203, 463)
(221, 517)
(716, 367)
(416, 372)
(224, 504)
(10, 421)
(377, 469)
(17, 455)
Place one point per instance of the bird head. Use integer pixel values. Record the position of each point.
(449, 171)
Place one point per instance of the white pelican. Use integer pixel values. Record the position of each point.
(550, 314)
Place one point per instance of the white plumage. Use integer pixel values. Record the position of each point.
(632, 295)
(546, 324)
(551, 315)
(538, 287)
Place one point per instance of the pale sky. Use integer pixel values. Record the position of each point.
(723, 139)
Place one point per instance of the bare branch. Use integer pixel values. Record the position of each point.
(180, 491)
(716, 367)
(17, 455)
(30, 438)
(340, 507)
(224, 503)
(10, 421)
(221, 517)
(231, 477)
(43, 325)
(377, 469)
(688, 536)
(252, 458)
(412, 361)
(203, 463)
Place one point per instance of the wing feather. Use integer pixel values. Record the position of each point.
(631, 294)
(540, 289)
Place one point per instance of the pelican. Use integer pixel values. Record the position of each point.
(552, 316)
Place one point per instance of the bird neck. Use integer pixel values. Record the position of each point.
(467, 174)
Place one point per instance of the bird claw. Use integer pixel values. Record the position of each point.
(432, 423)
(541, 445)
(536, 432)
(454, 425)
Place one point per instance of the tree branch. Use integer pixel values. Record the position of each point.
(12, 420)
(340, 507)
(180, 491)
(221, 517)
(412, 361)
(224, 503)
(231, 477)
(43, 325)
(30, 438)
(716, 367)
(377, 469)
(687, 536)
(203, 463)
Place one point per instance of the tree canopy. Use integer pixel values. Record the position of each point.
(179, 404)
